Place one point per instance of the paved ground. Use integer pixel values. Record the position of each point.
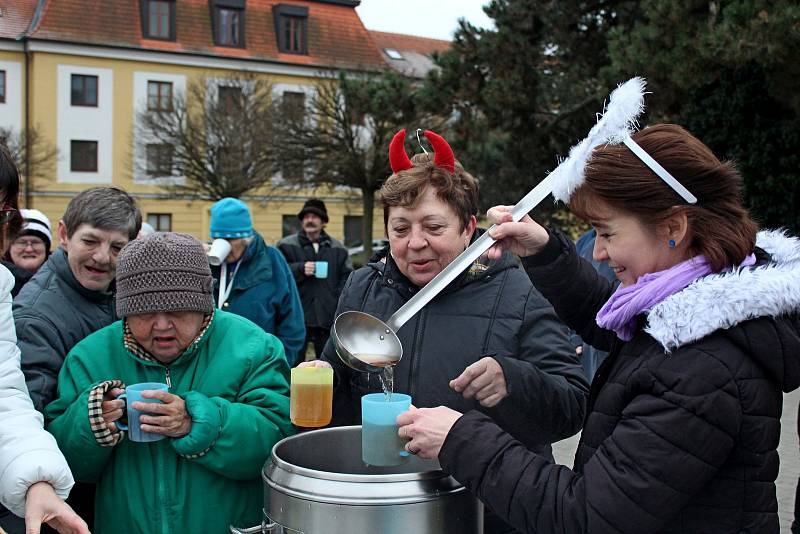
(788, 449)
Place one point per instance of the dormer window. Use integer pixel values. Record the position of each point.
(228, 21)
(393, 54)
(291, 28)
(158, 19)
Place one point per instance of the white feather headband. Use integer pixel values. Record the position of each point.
(618, 121)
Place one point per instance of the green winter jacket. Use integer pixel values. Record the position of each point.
(234, 381)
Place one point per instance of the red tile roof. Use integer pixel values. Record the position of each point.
(16, 17)
(415, 51)
(336, 36)
(400, 42)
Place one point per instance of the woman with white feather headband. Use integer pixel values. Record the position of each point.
(703, 332)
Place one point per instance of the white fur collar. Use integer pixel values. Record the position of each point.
(723, 300)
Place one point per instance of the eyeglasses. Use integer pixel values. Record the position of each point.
(7, 213)
(25, 243)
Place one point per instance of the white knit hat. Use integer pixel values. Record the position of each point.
(36, 221)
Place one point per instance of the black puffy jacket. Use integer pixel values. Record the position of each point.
(684, 419)
(318, 295)
(490, 310)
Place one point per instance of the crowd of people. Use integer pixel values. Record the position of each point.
(668, 336)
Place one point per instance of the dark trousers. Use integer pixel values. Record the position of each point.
(11, 523)
(16, 525)
(81, 498)
(318, 336)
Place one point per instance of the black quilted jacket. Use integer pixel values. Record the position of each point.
(683, 420)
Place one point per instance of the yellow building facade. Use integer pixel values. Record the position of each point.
(39, 67)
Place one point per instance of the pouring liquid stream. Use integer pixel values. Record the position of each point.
(386, 376)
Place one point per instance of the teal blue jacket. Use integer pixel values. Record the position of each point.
(234, 381)
(265, 292)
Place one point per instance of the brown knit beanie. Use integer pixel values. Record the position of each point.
(163, 272)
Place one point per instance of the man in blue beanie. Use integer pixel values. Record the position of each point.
(254, 281)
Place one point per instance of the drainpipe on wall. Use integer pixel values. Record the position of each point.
(28, 173)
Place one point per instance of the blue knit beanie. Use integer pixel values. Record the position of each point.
(230, 219)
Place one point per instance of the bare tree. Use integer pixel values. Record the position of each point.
(34, 156)
(214, 141)
(341, 137)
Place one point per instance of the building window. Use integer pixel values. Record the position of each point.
(229, 26)
(159, 159)
(230, 160)
(294, 105)
(294, 35)
(83, 156)
(230, 98)
(159, 96)
(2, 87)
(161, 222)
(84, 90)
(158, 19)
(291, 225)
(393, 54)
(352, 230)
(291, 28)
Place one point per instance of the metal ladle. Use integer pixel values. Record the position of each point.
(367, 344)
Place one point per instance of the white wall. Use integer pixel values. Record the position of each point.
(11, 110)
(140, 80)
(85, 124)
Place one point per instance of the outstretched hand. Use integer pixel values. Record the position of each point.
(322, 364)
(523, 238)
(484, 380)
(42, 505)
(426, 429)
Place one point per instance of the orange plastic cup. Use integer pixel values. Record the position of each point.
(311, 397)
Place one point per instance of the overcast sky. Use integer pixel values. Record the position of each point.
(425, 18)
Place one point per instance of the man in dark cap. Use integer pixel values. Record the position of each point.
(221, 392)
(320, 266)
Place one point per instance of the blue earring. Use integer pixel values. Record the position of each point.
(671, 243)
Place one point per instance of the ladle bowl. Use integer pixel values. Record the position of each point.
(364, 342)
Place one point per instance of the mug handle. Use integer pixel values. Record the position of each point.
(123, 397)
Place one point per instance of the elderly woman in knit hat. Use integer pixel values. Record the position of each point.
(29, 248)
(223, 402)
(255, 281)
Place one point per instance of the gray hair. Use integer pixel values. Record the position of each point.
(106, 208)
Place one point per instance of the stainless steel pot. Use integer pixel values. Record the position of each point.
(316, 483)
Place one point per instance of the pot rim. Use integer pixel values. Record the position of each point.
(282, 464)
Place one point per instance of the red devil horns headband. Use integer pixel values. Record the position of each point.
(443, 154)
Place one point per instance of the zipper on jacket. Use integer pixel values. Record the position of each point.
(419, 334)
(166, 376)
(162, 492)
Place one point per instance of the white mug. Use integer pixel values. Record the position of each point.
(220, 248)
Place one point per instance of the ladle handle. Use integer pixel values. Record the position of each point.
(465, 259)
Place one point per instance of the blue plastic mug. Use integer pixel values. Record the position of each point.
(133, 394)
(321, 269)
(380, 444)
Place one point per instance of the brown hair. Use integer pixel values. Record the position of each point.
(719, 226)
(9, 187)
(458, 189)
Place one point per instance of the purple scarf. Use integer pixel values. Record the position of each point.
(619, 313)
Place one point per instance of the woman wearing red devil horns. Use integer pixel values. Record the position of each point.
(489, 342)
